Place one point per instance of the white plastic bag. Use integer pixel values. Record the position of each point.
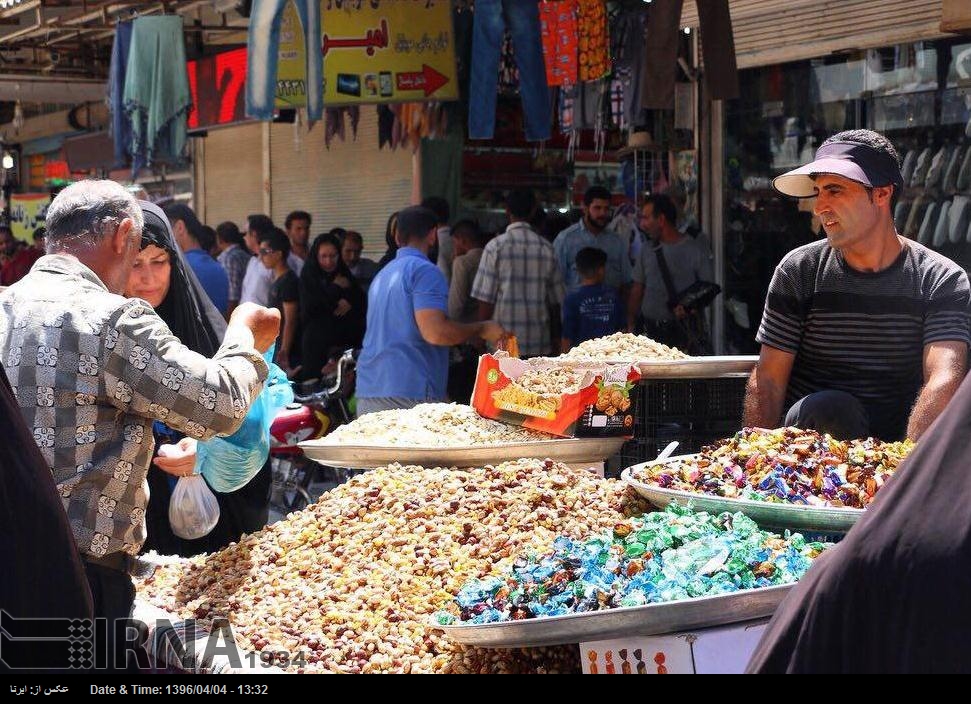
(193, 509)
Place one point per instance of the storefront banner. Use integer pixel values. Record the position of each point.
(375, 51)
(27, 212)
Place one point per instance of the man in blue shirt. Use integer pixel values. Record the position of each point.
(592, 231)
(186, 227)
(404, 361)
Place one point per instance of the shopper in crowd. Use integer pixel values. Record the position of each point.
(893, 595)
(43, 576)
(404, 361)
(257, 279)
(207, 240)
(12, 257)
(651, 308)
(334, 307)
(864, 332)
(391, 240)
(90, 365)
(297, 225)
(443, 251)
(364, 270)
(161, 277)
(188, 231)
(468, 242)
(593, 310)
(23, 259)
(284, 296)
(592, 231)
(518, 282)
(233, 257)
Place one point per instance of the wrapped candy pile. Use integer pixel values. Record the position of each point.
(784, 465)
(666, 556)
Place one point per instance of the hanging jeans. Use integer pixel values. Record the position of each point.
(120, 122)
(264, 49)
(661, 52)
(490, 20)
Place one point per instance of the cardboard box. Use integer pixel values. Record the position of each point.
(724, 650)
(603, 406)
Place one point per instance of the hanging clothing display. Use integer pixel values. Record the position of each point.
(594, 58)
(335, 125)
(661, 52)
(157, 98)
(490, 20)
(558, 20)
(263, 49)
(120, 124)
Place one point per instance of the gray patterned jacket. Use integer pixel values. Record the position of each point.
(92, 371)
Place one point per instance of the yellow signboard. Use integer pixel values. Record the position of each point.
(374, 51)
(27, 211)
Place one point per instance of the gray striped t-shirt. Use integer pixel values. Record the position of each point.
(864, 333)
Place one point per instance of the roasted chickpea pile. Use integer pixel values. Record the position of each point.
(352, 581)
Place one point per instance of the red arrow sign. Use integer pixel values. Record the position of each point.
(428, 80)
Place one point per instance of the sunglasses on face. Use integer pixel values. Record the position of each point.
(266, 252)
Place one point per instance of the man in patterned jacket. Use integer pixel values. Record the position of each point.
(92, 370)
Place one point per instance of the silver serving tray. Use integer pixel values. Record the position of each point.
(767, 515)
(573, 451)
(653, 619)
(699, 367)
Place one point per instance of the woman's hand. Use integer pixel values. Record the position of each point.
(342, 309)
(179, 460)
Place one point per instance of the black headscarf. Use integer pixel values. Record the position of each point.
(186, 308)
(42, 572)
(893, 596)
(391, 241)
(312, 273)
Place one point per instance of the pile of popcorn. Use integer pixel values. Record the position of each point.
(623, 346)
(430, 425)
(351, 583)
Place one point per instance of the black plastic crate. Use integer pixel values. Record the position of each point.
(695, 412)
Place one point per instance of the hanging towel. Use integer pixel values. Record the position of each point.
(926, 233)
(120, 122)
(938, 165)
(907, 169)
(900, 214)
(960, 217)
(943, 225)
(949, 183)
(157, 97)
(920, 170)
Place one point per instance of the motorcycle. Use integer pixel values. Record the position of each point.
(316, 411)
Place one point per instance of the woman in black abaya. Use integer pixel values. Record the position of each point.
(895, 595)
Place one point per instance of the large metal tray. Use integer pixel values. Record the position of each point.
(699, 367)
(767, 515)
(653, 619)
(574, 451)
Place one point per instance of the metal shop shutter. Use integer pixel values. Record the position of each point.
(232, 174)
(775, 31)
(353, 184)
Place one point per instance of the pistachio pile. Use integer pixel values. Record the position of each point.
(351, 582)
(623, 346)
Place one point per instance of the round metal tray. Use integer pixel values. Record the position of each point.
(767, 515)
(573, 451)
(653, 619)
(699, 367)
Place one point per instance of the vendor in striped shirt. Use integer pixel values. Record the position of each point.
(865, 333)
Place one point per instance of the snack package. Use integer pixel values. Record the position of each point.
(569, 400)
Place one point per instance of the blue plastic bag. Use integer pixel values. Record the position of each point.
(229, 463)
